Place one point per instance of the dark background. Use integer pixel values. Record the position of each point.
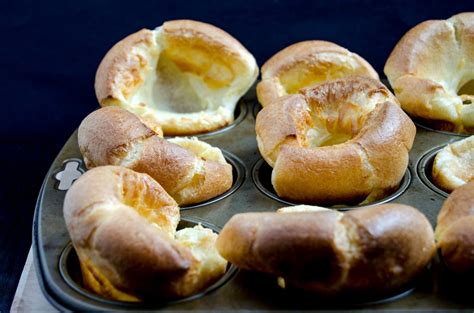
(49, 52)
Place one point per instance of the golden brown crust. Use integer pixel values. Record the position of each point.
(402, 61)
(305, 51)
(105, 134)
(136, 254)
(374, 248)
(118, 72)
(307, 63)
(386, 139)
(114, 136)
(213, 36)
(428, 66)
(123, 227)
(170, 163)
(374, 130)
(214, 180)
(454, 232)
(147, 73)
(292, 114)
(296, 246)
(326, 176)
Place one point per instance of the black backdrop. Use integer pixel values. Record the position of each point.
(49, 52)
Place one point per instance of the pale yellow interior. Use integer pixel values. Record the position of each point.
(185, 76)
(210, 265)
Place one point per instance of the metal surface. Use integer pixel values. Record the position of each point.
(436, 289)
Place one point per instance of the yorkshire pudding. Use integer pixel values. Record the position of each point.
(455, 229)
(185, 76)
(340, 142)
(431, 70)
(372, 249)
(307, 63)
(190, 170)
(453, 166)
(123, 227)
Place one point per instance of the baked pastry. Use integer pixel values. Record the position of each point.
(186, 76)
(308, 63)
(455, 229)
(123, 227)
(371, 249)
(453, 166)
(191, 171)
(341, 142)
(431, 71)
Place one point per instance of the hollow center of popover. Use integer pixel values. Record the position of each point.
(339, 119)
(187, 76)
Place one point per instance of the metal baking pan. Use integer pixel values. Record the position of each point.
(59, 273)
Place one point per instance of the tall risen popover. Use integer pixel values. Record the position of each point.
(123, 227)
(431, 70)
(341, 142)
(190, 170)
(185, 76)
(455, 229)
(308, 63)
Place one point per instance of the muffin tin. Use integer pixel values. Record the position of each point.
(59, 274)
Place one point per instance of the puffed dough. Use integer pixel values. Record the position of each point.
(185, 76)
(455, 229)
(308, 63)
(341, 142)
(453, 166)
(190, 170)
(431, 70)
(123, 227)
